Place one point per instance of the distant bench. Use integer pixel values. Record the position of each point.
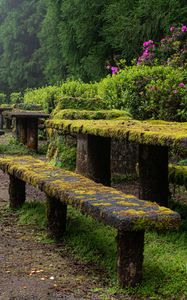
(129, 215)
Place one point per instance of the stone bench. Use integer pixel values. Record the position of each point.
(129, 215)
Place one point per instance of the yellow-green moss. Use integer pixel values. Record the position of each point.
(75, 114)
(104, 203)
(163, 133)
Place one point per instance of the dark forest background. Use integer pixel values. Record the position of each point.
(44, 42)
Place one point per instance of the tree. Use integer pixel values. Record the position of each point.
(20, 66)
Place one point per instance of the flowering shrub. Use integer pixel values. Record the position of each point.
(168, 98)
(171, 50)
(157, 92)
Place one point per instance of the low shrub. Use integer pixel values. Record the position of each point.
(28, 106)
(45, 97)
(16, 97)
(148, 92)
(157, 92)
(80, 103)
(3, 98)
(48, 97)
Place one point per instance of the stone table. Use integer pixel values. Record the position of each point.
(27, 127)
(153, 137)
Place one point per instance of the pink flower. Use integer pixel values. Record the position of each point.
(114, 70)
(175, 92)
(148, 43)
(172, 28)
(181, 84)
(184, 28)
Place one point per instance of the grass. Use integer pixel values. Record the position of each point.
(12, 147)
(165, 263)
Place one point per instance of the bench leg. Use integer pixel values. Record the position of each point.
(56, 216)
(93, 158)
(32, 134)
(153, 171)
(1, 121)
(130, 246)
(21, 130)
(8, 123)
(16, 192)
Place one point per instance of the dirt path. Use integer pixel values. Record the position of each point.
(30, 269)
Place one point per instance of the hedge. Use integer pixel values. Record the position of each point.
(148, 92)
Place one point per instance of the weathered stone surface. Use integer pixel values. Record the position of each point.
(56, 216)
(103, 203)
(162, 133)
(16, 192)
(130, 246)
(93, 158)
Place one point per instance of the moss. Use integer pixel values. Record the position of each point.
(171, 134)
(178, 175)
(101, 202)
(75, 114)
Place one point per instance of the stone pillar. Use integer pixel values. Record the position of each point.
(21, 130)
(8, 121)
(124, 157)
(153, 171)
(82, 155)
(16, 192)
(130, 246)
(56, 216)
(93, 158)
(32, 134)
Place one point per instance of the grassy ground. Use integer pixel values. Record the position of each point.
(165, 263)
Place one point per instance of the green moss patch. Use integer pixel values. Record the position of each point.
(75, 114)
(146, 132)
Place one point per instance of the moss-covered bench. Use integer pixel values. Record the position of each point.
(153, 137)
(129, 215)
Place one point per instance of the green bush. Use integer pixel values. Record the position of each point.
(45, 97)
(48, 97)
(28, 106)
(2, 98)
(80, 103)
(76, 88)
(16, 97)
(148, 92)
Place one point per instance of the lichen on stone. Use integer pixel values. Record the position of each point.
(171, 134)
(101, 202)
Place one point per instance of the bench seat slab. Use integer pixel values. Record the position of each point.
(114, 208)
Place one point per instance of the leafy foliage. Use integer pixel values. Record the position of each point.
(20, 65)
